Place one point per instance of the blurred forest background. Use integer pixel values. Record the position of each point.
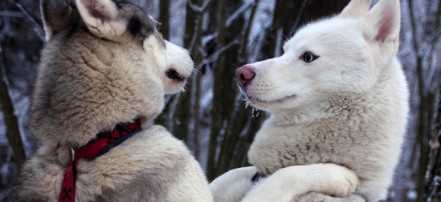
(211, 117)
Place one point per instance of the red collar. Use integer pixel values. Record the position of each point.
(103, 142)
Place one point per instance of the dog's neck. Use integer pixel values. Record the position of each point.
(63, 149)
(317, 111)
(294, 116)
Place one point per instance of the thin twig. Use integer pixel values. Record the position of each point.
(37, 27)
(413, 26)
(237, 13)
(11, 14)
(213, 57)
(298, 18)
(435, 80)
(199, 9)
(247, 31)
(195, 33)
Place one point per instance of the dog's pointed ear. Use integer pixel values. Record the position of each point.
(356, 8)
(101, 17)
(383, 22)
(57, 16)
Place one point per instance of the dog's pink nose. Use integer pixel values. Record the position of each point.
(245, 75)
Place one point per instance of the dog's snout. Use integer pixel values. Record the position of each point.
(245, 75)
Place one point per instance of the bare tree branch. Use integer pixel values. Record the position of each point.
(246, 35)
(37, 27)
(11, 14)
(298, 18)
(213, 57)
(199, 9)
(413, 25)
(238, 12)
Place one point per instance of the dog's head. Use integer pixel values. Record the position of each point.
(124, 24)
(105, 62)
(343, 54)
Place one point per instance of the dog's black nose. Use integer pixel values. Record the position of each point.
(245, 75)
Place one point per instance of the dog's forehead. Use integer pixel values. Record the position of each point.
(139, 23)
(324, 31)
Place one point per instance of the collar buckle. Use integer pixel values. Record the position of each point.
(72, 154)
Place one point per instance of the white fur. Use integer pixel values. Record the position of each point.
(178, 59)
(348, 107)
(284, 184)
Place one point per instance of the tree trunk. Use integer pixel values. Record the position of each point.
(197, 121)
(164, 18)
(434, 169)
(11, 122)
(194, 48)
(237, 116)
(422, 132)
(183, 113)
(217, 108)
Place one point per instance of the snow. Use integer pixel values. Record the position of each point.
(177, 27)
(411, 195)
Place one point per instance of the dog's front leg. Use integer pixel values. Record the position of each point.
(233, 185)
(314, 196)
(291, 182)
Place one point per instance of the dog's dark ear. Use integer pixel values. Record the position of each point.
(57, 16)
(356, 8)
(101, 18)
(383, 22)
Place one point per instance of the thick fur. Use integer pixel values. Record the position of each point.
(105, 62)
(349, 106)
(285, 184)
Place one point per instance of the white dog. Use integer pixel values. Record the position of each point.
(337, 95)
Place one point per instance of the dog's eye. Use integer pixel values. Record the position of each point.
(308, 57)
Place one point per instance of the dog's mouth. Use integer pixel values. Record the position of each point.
(175, 75)
(255, 100)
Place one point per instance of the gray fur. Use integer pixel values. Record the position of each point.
(99, 69)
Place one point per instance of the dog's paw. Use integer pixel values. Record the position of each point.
(339, 181)
(314, 196)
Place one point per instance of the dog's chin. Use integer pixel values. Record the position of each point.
(268, 104)
(173, 87)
